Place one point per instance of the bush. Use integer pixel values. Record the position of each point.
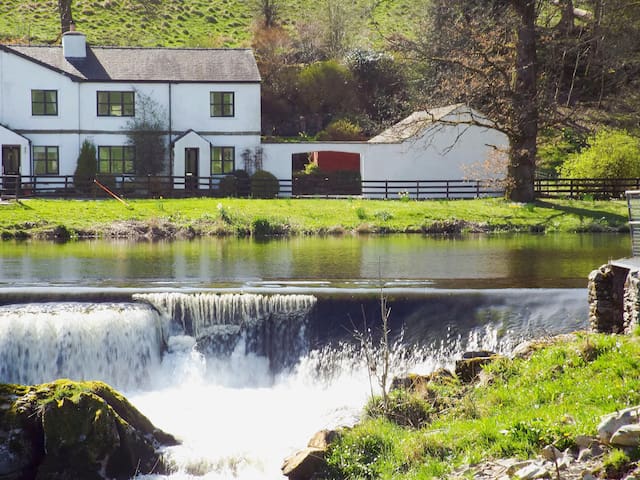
(86, 167)
(228, 186)
(341, 130)
(403, 408)
(264, 185)
(610, 154)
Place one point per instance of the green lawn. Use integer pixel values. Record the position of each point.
(92, 218)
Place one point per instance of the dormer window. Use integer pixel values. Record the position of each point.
(44, 102)
(116, 104)
(222, 104)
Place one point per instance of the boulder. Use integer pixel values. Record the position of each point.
(609, 424)
(304, 464)
(470, 366)
(626, 436)
(323, 439)
(309, 462)
(69, 430)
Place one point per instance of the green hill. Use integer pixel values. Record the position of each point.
(191, 23)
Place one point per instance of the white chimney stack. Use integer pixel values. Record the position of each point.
(74, 45)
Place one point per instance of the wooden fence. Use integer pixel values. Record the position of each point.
(169, 186)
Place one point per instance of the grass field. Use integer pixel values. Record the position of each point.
(196, 217)
(190, 23)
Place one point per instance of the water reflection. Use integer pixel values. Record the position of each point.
(474, 261)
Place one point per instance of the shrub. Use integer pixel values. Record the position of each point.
(264, 185)
(86, 167)
(403, 408)
(341, 130)
(228, 186)
(610, 154)
(243, 183)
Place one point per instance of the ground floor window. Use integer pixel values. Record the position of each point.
(223, 160)
(116, 159)
(46, 160)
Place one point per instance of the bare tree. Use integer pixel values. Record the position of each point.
(268, 11)
(66, 18)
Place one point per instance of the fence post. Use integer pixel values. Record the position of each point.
(447, 183)
(386, 189)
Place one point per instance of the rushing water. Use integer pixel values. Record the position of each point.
(244, 350)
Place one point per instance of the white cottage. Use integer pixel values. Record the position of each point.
(52, 98)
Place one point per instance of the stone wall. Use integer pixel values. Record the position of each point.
(614, 299)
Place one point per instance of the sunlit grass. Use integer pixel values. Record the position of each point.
(294, 216)
(521, 406)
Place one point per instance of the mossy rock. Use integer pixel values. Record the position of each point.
(69, 430)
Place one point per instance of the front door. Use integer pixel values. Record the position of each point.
(10, 166)
(191, 168)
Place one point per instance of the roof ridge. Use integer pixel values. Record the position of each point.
(132, 47)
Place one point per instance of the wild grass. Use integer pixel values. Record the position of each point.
(92, 218)
(519, 407)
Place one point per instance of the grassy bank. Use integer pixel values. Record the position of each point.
(518, 407)
(199, 217)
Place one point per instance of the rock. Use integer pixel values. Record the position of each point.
(626, 436)
(323, 439)
(304, 464)
(551, 453)
(584, 441)
(515, 466)
(415, 382)
(69, 430)
(471, 364)
(609, 424)
(531, 472)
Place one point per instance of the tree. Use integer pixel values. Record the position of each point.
(66, 18)
(484, 54)
(610, 154)
(325, 90)
(268, 12)
(86, 167)
(146, 133)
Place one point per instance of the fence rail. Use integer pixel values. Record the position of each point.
(133, 186)
(601, 188)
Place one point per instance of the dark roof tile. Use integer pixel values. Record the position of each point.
(148, 64)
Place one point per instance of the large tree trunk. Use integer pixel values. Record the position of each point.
(66, 19)
(522, 159)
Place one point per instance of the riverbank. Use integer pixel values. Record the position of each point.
(552, 393)
(196, 217)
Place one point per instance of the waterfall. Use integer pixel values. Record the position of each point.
(272, 326)
(120, 344)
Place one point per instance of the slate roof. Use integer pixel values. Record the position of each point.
(414, 124)
(147, 64)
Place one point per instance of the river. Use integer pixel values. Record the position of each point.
(244, 349)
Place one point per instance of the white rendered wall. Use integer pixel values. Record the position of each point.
(191, 108)
(441, 153)
(17, 78)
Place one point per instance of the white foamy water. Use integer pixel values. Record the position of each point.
(239, 410)
(117, 343)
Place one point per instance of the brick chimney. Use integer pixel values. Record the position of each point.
(74, 44)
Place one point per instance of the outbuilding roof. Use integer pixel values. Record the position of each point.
(147, 64)
(414, 124)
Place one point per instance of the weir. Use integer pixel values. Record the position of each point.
(124, 343)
